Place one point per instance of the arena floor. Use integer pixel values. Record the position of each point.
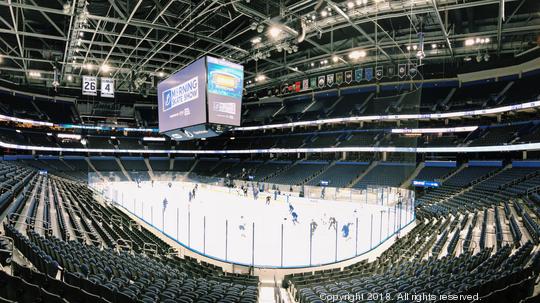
(224, 224)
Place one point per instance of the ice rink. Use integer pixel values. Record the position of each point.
(224, 224)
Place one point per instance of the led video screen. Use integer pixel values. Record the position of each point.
(225, 88)
(182, 98)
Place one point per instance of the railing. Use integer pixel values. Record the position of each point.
(123, 244)
(14, 218)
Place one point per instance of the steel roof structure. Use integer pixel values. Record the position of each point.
(140, 41)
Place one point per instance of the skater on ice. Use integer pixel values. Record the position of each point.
(294, 218)
(242, 227)
(333, 223)
(268, 198)
(345, 230)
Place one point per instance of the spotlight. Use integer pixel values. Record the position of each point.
(469, 42)
(335, 59)
(274, 32)
(256, 40)
(479, 58)
(313, 17)
(66, 7)
(34, 74)
(312, 64)
(161, 74)
(357, 54)
(415, 47)
(260, 78)
(260, 28)
(350, 4)
(486, 57)
(105, 68)
(408, 47)
(70, 78)
(325, 61)
(433, 46)
(324, 14)
(89, 66)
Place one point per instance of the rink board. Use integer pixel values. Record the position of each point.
(225, 225)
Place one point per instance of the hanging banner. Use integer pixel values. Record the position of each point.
(339, 78)
(402, 70)
(297, 86)
(379, 72)
(321, 82)
(330, 79)
(284, 88)
(391, 71)
(89, 86)
(313, 83)
(369, 73)
(358, 74)
(107, 87)
(412, 70)
(305, 84)
(348, 76)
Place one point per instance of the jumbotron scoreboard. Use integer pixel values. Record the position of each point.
(202, 100)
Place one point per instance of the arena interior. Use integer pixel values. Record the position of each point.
(306, 151)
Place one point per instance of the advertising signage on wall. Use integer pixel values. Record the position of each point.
(208, 91)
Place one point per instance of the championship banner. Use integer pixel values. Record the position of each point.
(348, 76)
(412, 69)
(297, 86)
(330, 79)
(321, 82)
(369, 73)
(379, 72)
(313, 83)
(402, 70)
(284, 88)
(305, 84)
(358, 74)
(391, 71)
(339, 78)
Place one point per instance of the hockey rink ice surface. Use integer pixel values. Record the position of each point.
(222, 223)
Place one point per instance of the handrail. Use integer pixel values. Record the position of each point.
(123, 243)
(150, 248)
(12, 221)
(9, 250)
